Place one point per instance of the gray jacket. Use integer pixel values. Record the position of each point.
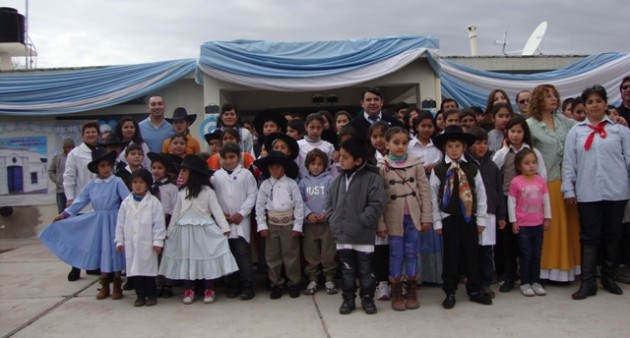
(56, 169)
(353, 213)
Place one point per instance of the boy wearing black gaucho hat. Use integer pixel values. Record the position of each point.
(280, 214)
(459, 214)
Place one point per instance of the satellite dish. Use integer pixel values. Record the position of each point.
(535, 39)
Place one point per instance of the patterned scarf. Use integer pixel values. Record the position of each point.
(465, 194)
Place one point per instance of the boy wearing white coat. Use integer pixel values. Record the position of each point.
(140, 233)
(236, 192)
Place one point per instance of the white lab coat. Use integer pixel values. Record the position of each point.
(236, 193)
(139, 228)
(77, 175)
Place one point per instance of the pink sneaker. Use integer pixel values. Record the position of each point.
(208, 296)
(189, 296)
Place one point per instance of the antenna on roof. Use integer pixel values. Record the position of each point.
(531, 46)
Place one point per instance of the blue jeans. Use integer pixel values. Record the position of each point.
(530, 244)
(404, 248)
(61, 202)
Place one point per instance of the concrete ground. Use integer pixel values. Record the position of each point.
(36, 300)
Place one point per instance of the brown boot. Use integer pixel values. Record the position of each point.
(412, 297)
(104, 291)
(117, 290)
(398, 303)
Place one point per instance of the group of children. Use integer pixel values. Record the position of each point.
(370, 206)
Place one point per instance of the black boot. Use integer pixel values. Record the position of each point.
(608, 268)
(74, 274)
(588, 287)
(347, 306)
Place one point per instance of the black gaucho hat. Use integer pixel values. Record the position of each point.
(269, 115)
(196, 164)
(276, 157)
(216, 134)
(453, 133)
(293, 145)
(179, 114)
(99, 155)
(164, 158)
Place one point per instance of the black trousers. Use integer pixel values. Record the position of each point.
(486, 267)
(356, 264)
(506, 252)
(145, 286)
(460, 242)
(381, 263)
(601, 221)
(244, 277)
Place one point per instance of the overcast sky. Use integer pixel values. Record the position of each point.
(75, 33)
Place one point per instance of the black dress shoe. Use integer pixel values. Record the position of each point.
(232, 292)
(347, 306)
(367, 303)
(247, 294)
(449, 301)
(507, 285)
(74, 274)
(276, 292)
(294, 291)
(480, 297)
(140, 302)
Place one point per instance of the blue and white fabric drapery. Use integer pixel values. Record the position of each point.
(305, 66)
(470, 87)
(83, 90)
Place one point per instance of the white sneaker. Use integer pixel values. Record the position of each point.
(382, 291)
(538, 289)
(189, 296)
(208, 296)
(527, 291)
(311, 288)
(331, 289)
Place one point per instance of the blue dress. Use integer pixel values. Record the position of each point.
(86, 241)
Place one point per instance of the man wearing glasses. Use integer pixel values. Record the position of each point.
(624, 108)
(522, 100)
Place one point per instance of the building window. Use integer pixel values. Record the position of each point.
(34, 178)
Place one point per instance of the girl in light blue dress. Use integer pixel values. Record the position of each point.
(86, 241)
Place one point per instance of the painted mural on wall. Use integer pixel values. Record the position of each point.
(23, 165)
(25, 151)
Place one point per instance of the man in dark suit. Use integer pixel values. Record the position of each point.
(624, 107)
(372, 103)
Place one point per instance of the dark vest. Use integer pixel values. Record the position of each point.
(454, 207)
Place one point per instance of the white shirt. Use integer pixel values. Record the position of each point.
(279, 195)
(429, 154)
(305, 147)
(480, 191)
(168, 197)
(236, 193)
